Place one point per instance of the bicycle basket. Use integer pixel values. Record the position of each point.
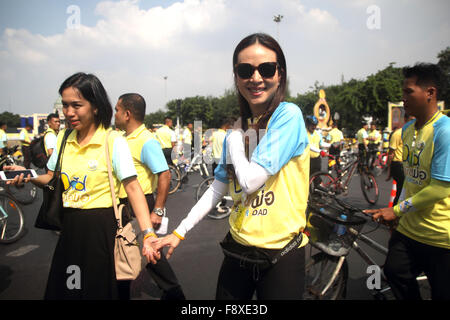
(328, 232)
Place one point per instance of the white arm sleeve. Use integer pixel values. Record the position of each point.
(208, 201)
(251, 176)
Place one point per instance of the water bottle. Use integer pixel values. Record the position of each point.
(338, 231)
(340, 228)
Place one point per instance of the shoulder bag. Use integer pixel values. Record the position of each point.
(127, 253)
(50, 214)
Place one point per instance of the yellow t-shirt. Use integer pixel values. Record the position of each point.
(217, 142)
(396, 144)
(374, 137)
(165, 136)
(426, 154)
(274, 214)
(25, 135)
(361, 135)
(335, 135)
(314, 140)
(84, 170)
(148, 159)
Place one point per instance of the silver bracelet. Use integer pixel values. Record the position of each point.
(147, 231)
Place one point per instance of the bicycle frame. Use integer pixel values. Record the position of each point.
(3, 221)
(346, 173)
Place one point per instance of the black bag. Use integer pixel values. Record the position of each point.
(50, 213)
(249, 256)
(37, 150)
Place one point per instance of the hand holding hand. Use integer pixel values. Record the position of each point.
(150, 251)
(170, 241)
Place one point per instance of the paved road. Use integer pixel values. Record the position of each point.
(24, 265)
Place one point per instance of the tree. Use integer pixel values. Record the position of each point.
(444, 63)
(12, 120)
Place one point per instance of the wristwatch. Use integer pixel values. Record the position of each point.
(160, 211)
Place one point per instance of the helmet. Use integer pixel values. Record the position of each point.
(311, 120)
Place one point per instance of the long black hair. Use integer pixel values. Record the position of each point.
(90, 87)
(270, 43)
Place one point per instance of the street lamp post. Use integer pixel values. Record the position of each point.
(165, 89)
(277, 20)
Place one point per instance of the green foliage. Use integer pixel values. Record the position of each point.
(444, 63)
(12, 120)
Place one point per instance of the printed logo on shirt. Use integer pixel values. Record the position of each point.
(92, 165)
(411, 155)
(74, 194)
(75, 183)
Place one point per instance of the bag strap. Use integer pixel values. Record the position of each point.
(291, 245)
(117, 210)
(61, 151)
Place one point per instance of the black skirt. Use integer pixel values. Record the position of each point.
(83, 262)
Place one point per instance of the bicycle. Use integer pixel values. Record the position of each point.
(180, 171)
(334, 237)
(11, 219)
(26, 193)
(339, 183)
(222, 209)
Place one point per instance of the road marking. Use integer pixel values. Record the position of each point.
(22, 251)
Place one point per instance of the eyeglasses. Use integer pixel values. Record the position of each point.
(246, 70)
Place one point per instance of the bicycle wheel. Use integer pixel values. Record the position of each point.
(222, 209)
(318, 272)
(11, 220)
(369, 187)
(24, 194)
(324, 180)
(175, 179)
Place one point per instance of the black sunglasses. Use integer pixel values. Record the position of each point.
(246, 70)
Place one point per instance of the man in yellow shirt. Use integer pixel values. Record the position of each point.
(51, 133)
(363, 140)
(25, 139)
(336, 140)
(153, 173)
(315, 139)
(421, 242)
(394, 162)
(217, 141)
(166, 136)
(374, 143)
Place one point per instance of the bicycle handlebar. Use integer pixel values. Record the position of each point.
(340, 202)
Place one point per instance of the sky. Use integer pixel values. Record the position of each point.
(167, 49)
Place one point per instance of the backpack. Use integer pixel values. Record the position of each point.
(38, 155)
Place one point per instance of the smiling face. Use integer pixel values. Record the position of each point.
(78, 111)
(258, 91)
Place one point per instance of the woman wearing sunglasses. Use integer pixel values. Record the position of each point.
(264, 250)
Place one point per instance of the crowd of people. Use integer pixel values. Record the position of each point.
(276, 171)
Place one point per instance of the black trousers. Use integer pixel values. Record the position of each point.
(283, 281)
(408, 258)
(168, 155)
(161, 272)
(399, 176)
